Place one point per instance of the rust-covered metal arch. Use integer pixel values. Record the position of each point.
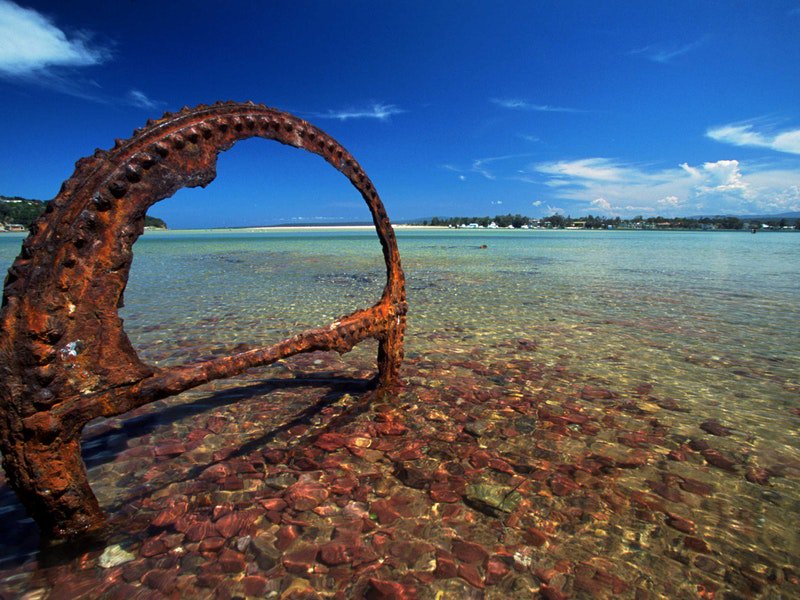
(64, 356)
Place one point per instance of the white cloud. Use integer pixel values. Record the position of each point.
(723, 176)
(665, 53)
(479, 165)
(536, 203)
(497, 201)
(31, 44)
(670, 201)
(139, 99)
(462, 177)
(720, 186)
(694, 173)
(518, 104)
(376, 110)
(589, 168)
(601, 203)
(743, 134)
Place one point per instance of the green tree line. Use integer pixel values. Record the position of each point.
(558, 221)
(24, 211)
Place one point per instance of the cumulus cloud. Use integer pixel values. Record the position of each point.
(744, 134)
(30, 44)
(723, 176)
(719, 186)
(601, 203)
(518, 104)
(376, 110)
(536, 203)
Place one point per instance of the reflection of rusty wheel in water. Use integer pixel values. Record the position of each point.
(64, 356)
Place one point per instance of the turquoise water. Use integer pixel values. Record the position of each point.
(647, 335)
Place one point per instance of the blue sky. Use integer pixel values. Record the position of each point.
(453, 108)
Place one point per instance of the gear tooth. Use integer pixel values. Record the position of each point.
(185, 109)
(118, 143)
(250, 103)
(167, 115)
(99, 153)
(150, 122)
(218, 103)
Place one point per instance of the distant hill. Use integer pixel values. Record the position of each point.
(786, 215)
(23, 211)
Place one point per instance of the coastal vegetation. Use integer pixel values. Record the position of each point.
(557, 221)
(18, 213)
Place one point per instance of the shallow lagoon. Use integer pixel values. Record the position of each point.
(593, 414)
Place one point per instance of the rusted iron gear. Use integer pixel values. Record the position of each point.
(64, 356)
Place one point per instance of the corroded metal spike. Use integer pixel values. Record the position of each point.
(161, 149)
(118, 188)
(132, 173)
(146, 159)
(101, 201)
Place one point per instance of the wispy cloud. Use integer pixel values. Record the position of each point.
(480, 165)
(519, 104)
(35, 51)
(719, 186)
(140, 100)
(666, 53)
(744, 134)
(375, 110)
(30, 43)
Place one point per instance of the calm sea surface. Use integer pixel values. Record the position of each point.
(637, 395)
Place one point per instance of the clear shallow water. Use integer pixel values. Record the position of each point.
(585, 361)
